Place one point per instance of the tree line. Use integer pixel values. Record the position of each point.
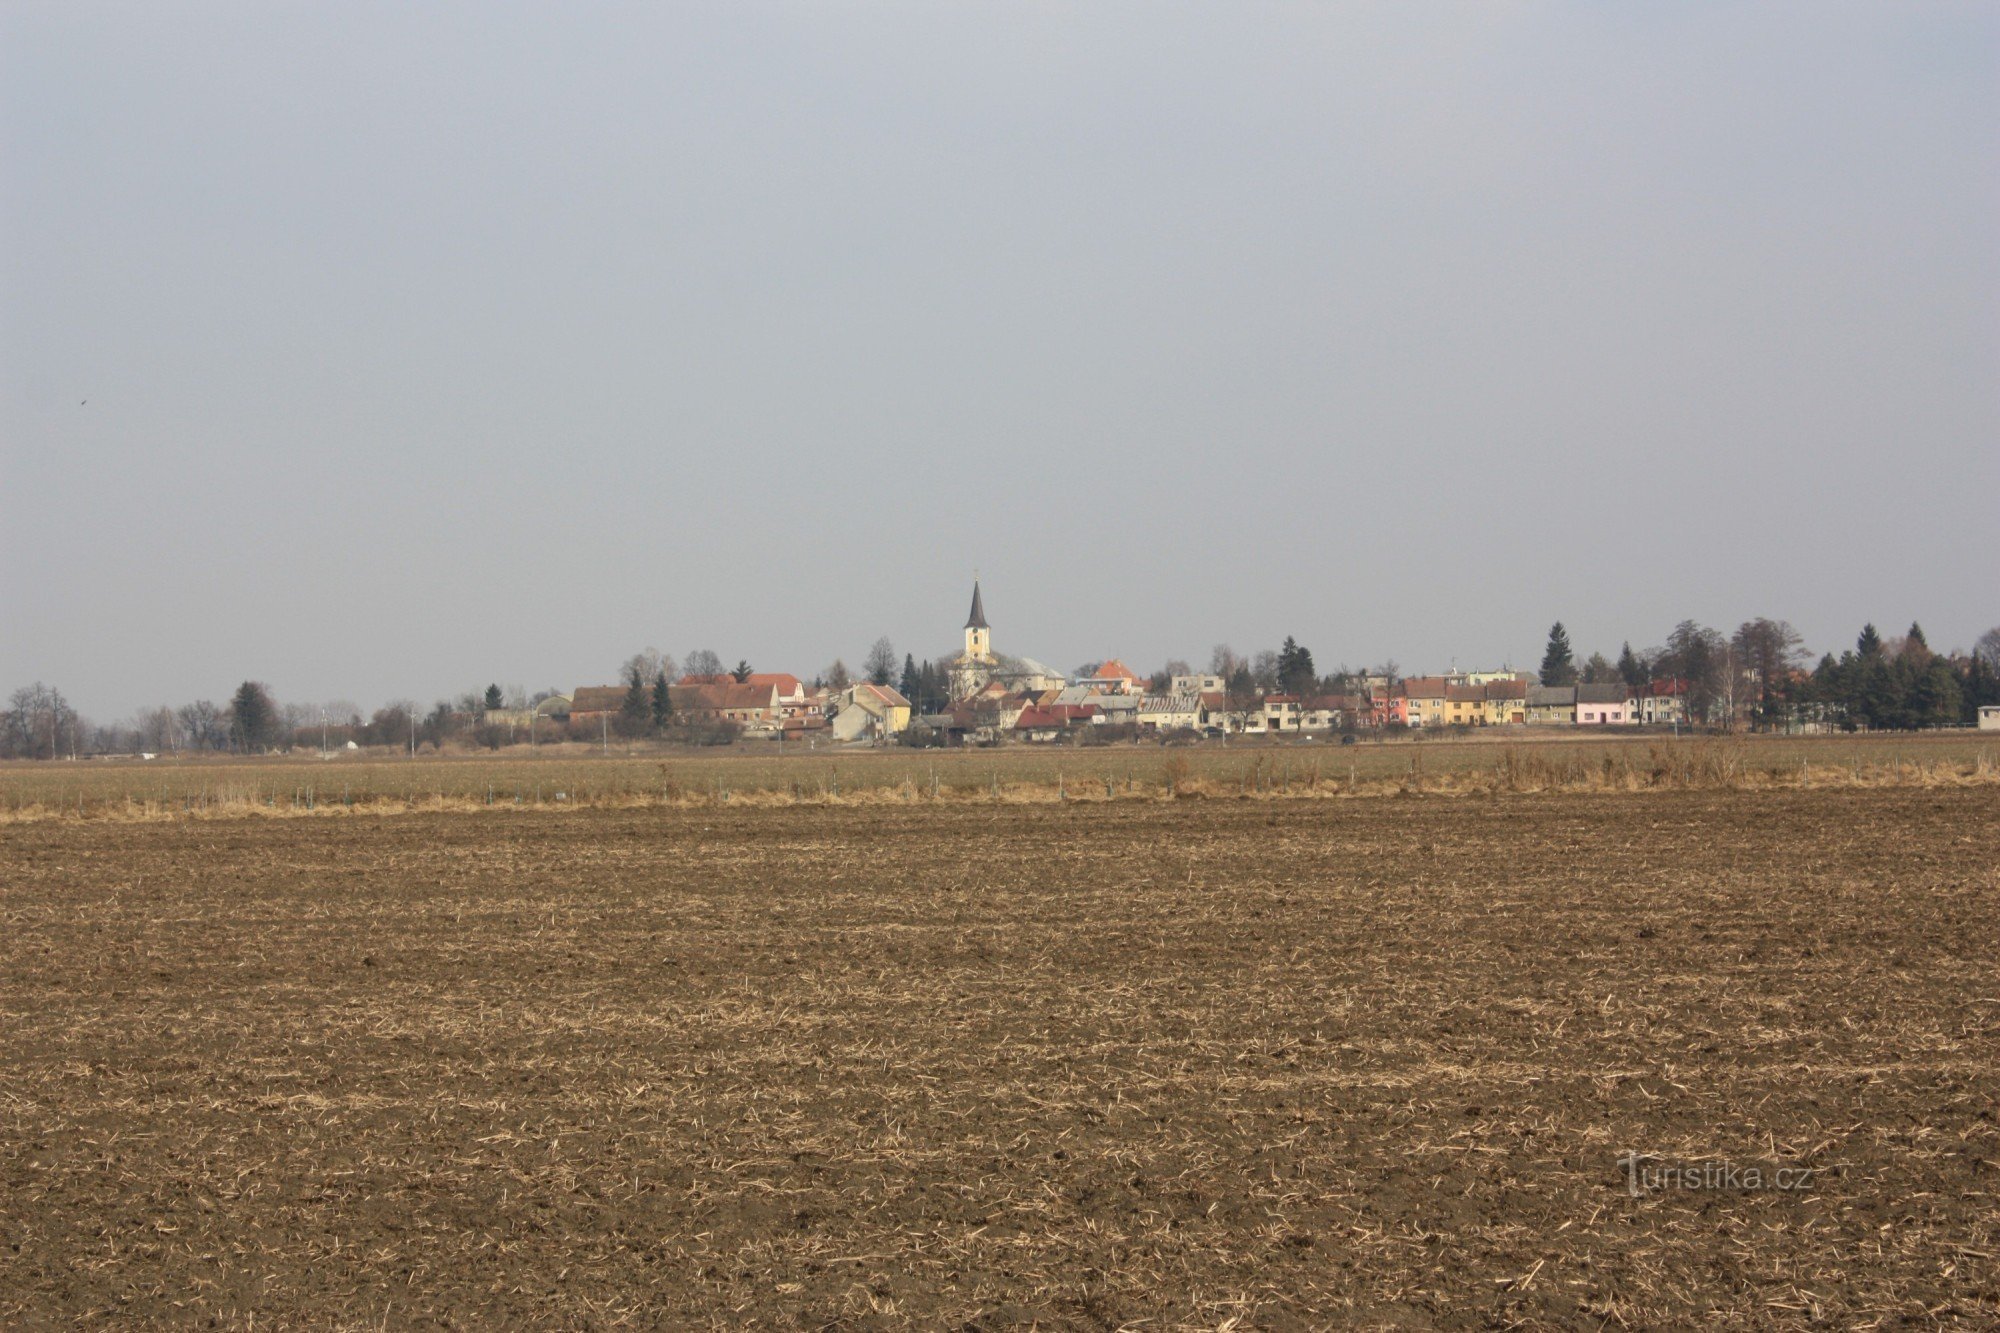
(1760, 676)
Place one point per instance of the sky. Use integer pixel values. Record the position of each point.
(381, 351)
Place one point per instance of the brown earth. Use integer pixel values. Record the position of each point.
(1149, 1064)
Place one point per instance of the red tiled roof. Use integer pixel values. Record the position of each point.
(787, 683)
(1114, 670)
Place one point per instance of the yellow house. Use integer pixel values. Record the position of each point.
(1464, 706)
(1426, 696)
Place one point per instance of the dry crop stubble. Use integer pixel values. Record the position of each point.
(1289, 1063)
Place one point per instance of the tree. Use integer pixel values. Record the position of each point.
(663, 702)
(1934, 695)
(837, 679)
(741, 670)
(635, 713)
(40, 724)
(1296, 673)
(1264, 669)
(1558, 663)
(880, 663)
(1693, 656)
(1987, 648)
(702, 662)
(253, 717)
(1242, 689)
(201, 722)
(1870, 643)
(1770, 650)
(1634, 672)
(912, 685)
(1176, 666)
(1915, 646)
(1598, 670)
(1223, 661)
(493, 699)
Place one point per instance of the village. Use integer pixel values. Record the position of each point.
(991, 698)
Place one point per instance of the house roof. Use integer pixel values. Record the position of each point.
(1113, 670)
(1600, 694)
(1170, 703)
(977, 620)
(1506, 689)
(867, 692)
(597, 699)
(718, 698)
(1424, 687)
(1551, 696)
(1057, 715)
(788, 684)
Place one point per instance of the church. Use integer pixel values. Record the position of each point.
(978, 666)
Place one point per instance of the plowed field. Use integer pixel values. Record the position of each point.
(1159, 1064)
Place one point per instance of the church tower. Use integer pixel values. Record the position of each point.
(978, 637)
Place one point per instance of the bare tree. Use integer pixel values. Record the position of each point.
(702, 662)
(202, 725)
(837, 678)
(650, 664)
(1223, 661)
(880, 663)
(40, 724)
(1987, 649)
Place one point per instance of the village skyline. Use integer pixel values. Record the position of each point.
(1763, 674)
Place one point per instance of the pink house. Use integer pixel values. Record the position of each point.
(1603, 706)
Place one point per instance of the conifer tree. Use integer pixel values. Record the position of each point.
(1558, 663)
(663, 702)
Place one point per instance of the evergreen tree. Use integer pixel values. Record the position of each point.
(1558, 663)
(637, 709)
(492, 697)
(1870, 643)
(1296, 673)
(663, 702)
(912, 686)
(1934, 696)
(742, 670)
(1630, 669)
(253, 717)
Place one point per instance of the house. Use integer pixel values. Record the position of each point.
(1989, 717)
(791, 690)
(1506, 703)
(1465, 705)
(1197, 685)
(1603, 706)
(1424, 701)
(1321, 714)
(1114, 677)
(1281, 712)
(1170, 712)
(1662, 702)
(750, 706)
(870, 711)
(589, 703)
(1551, 705)
(1053, 722)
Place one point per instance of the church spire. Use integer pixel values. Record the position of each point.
(977, 620)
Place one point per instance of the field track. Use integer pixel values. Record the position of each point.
(1150, 1063)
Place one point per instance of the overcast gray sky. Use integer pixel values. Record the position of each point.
(381, 350)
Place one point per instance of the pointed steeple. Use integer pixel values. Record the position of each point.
(977, 620)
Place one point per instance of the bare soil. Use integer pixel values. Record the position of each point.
(1153, 1064)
